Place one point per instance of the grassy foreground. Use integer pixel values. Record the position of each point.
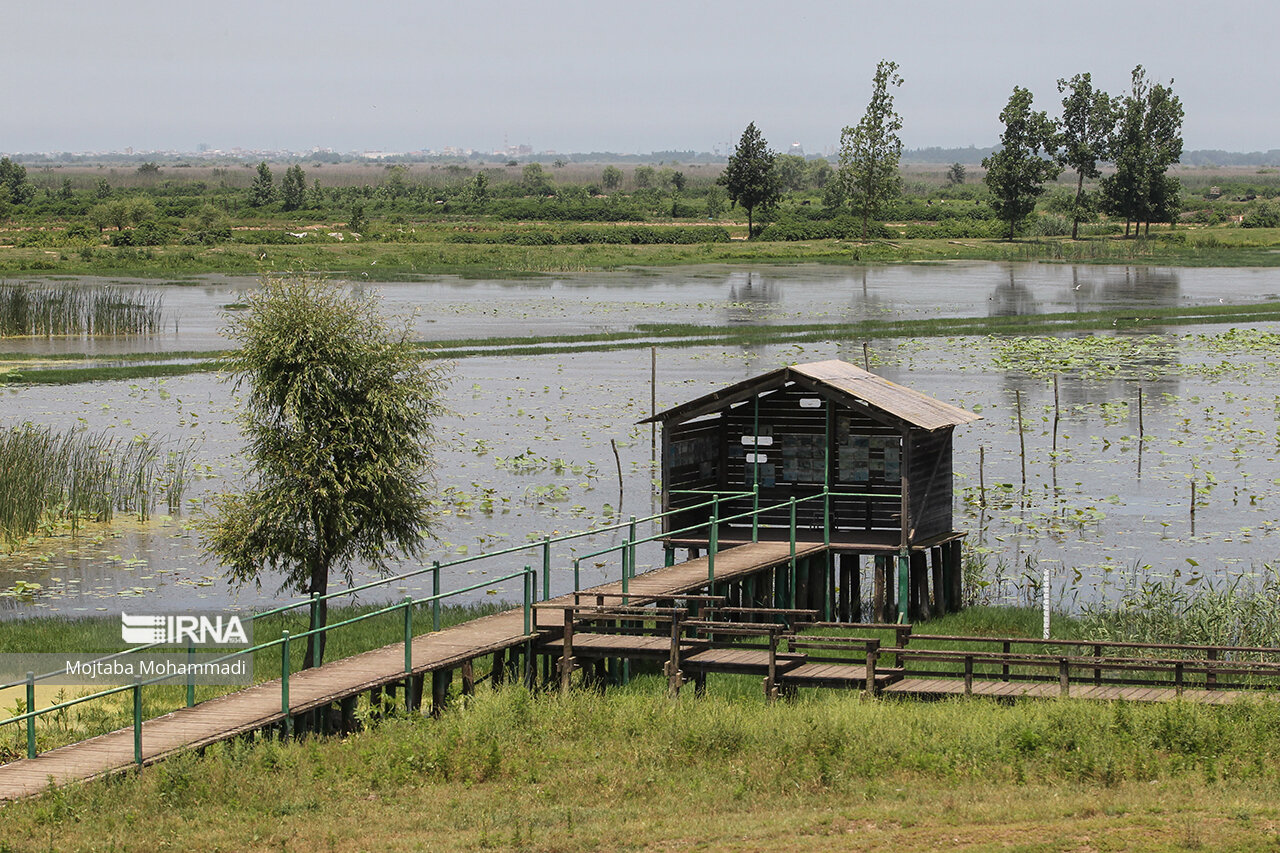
(634, 771)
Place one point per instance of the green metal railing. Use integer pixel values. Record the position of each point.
(626, 548)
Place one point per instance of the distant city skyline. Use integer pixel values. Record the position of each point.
(573, 76)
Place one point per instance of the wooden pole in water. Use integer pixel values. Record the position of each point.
(618, 459)
(1022, 442)
(866, 356)
(982, 482)
(1140, 429)
(1057, 414)
(1193, 507)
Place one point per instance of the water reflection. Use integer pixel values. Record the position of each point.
(751, 299)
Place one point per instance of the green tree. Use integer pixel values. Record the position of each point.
(611, 178)
(643, 177)
(13, 177)
(791, 172)
(751, 178)
(533, 180)
(1147, 141)
(1088, 121)
(293, 188)
(479, 188)
(338, 415)
(67, 192)
(263, 190)
(869, 152)
(1016, 172)
(956, 174)
(102, 189)
(716, 201)
(357, 220)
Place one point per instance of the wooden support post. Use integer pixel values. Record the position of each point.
(939, 584)
(674, 676)
(919, 586)
(1177, 677)
(441, 681)
(869, 680)
(843, 610)
(1064, 677)
(953, 555)
(347, 710)
(499, 671)
(468, 678)
(879, 604)
(1211, 677)
(1097, 670)
(413, 692)
(1004, 667)
(566, 657)
(771, 680)
(968, 675)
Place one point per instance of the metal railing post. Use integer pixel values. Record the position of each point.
(626, 549)
(546, 567)
(528, 605)
(826, 516)
(713, 541)
(792, 584)
(408, 633)
(137, 721)
(631, 532)
(577, 574)
(31, 721)
(435, 595)
(284, 683)
(755, 512)
(191, 684)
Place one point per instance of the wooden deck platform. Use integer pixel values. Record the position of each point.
(258, 707)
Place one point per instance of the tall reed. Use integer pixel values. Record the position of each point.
(49, 477)
(71, 309)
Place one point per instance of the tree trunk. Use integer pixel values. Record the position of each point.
(315, 642)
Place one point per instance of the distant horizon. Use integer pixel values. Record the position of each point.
(1191, 157)
(570, 74)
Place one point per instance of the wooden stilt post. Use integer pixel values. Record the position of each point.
(468, 678)
(939, 584)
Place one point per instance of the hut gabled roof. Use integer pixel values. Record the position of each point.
(838, 380)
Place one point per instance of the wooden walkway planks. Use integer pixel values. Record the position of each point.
(259, 706)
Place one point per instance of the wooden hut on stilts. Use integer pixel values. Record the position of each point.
(836, 454)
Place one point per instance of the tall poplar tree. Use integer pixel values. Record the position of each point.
(1146, 142)
(1016, 173)
(870, 151)
(1088, 121)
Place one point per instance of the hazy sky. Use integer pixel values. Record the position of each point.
(397, 75)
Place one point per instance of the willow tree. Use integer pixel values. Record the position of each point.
(337, 409)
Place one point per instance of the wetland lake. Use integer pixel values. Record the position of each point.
(525, 451)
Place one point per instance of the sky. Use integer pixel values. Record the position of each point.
(571, 76)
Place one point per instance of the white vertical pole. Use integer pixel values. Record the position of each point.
(1044, 587)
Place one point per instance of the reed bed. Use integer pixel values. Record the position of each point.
(47, 310)
(48, 477)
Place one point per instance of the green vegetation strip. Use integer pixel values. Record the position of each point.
(632, 770)
(647, 334)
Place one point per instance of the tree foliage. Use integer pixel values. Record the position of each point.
(263, 189)
(1146, 142)
(1088, 120)
(611, 178)
(870, 151)
(13, 177)
(337, 413)
(293, 188)
(751, 177)
(1016, 172)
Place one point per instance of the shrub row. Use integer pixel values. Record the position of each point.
(630, 234)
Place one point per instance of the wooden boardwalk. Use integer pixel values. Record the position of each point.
(259, 707)
(939, 687)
